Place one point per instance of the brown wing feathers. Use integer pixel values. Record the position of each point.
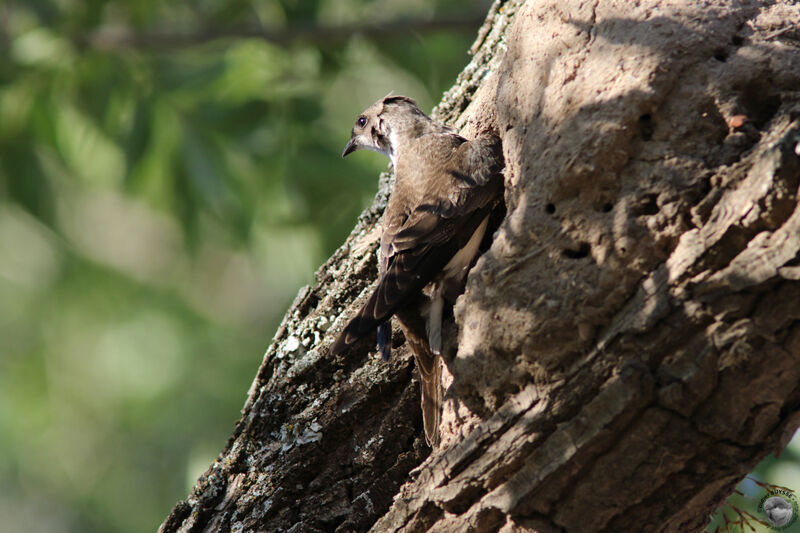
(408, 272)
(417, 248)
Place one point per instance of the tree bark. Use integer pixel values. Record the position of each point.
(627, 349)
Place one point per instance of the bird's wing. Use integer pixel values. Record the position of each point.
(417, 246)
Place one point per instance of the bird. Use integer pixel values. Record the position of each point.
(445, 188)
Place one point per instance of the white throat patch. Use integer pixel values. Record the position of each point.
(392, 144)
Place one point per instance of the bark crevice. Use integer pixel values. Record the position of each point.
(629, 346)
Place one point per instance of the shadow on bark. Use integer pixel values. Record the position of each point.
(628, 348)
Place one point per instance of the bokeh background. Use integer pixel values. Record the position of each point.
(170, 176)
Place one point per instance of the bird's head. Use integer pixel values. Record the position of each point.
(378, 127)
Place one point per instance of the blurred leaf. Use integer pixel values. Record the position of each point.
(163, 195)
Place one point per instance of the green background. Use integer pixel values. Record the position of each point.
(169, 178)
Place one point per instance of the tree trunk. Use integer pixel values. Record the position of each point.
(629, 346)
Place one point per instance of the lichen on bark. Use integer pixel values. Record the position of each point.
(629, 346)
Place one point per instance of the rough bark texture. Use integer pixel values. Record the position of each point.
(629, 346)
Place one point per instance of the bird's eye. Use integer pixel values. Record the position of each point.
(362, 121)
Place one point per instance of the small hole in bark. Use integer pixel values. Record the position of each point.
(550, 209)
(721, 56)
(761, 102)
(736, 40)
(582, 251)
(607, 207)
(646, 126)
(649, 206)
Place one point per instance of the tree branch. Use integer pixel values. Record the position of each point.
(629, 346)
(120, 38)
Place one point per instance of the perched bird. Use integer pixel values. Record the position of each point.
(444, 191)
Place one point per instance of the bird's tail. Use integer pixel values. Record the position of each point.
(430, 376)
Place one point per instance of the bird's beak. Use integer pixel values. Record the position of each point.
(349, 147)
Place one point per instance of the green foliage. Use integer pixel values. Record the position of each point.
(169, 178)
(742, 511)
